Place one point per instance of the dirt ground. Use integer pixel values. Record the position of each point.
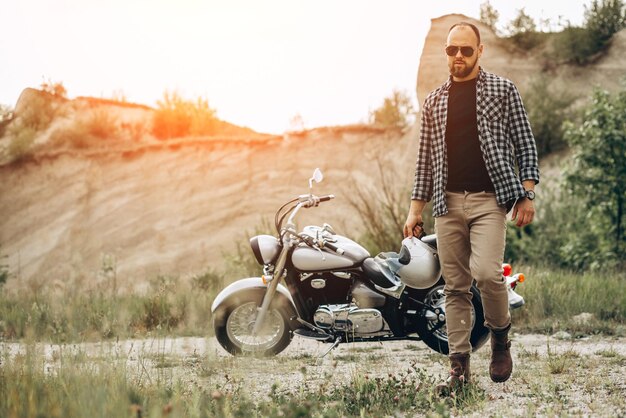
(552, 376)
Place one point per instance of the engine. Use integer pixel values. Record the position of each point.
(349, 318)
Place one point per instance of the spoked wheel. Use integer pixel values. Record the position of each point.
(234, 324)
(432, 327)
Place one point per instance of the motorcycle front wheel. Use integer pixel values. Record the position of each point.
(432, 329)
(234, 320)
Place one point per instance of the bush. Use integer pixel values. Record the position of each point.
(4, 271)
(580, 45)
(547, 112)
(55, 88)
(383, 209)
(396, 111)
(574, 45)
(598, 169)
(176, 117)
(523, 33)
(100, 123)
(22, 140)
(6, 114)
(87, 130)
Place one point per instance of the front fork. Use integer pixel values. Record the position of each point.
(271, 290)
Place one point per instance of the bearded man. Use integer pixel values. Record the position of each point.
(474, 131)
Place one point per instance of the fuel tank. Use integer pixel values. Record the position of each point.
(305, 258)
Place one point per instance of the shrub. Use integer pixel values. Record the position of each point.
(6, 114)
(547, 112)
(397, 111)
(87, 131)
(177, 117)
(4, 271)
(54, 88)
(603, 19)
(598, 169)
(100, 123)
(580, 45)
(22, 140)
(523, 33)
(383, 209)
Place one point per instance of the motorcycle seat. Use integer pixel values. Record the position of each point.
(379, 273)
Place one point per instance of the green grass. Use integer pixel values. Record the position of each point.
(176, 306)
(171, 306)
(554, 297)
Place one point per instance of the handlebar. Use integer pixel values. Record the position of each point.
(334, 248)
(320, 243)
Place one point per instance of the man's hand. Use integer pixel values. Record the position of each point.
(523, 212)
(414, 223)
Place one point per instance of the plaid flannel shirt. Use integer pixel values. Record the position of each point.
(503, 131)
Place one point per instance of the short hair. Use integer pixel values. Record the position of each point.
(470, 25)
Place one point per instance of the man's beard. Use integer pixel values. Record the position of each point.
(463, 71)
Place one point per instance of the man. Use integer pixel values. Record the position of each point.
(474, 129)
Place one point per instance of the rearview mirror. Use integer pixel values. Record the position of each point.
(317, 177)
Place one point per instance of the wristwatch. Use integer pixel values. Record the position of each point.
(530, 195)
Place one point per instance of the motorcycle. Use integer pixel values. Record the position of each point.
(335, 292)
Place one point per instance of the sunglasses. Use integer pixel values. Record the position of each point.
(466, 51)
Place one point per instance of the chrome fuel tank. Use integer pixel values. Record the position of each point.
(305, 258)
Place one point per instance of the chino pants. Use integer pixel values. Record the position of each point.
(470, 240)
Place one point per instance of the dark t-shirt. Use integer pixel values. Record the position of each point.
(466, 165)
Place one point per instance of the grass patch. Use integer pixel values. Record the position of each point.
(171, 306)
(554, 297)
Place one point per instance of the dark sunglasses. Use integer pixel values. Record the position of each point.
(466, 51)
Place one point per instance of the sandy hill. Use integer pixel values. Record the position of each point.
(174, 207)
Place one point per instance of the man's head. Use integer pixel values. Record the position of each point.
(463, 48)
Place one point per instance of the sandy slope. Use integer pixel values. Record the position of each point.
(175, 209)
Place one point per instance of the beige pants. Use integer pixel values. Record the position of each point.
(470, 241)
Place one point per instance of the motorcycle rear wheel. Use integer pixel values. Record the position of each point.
(234, 320)
(435, 335)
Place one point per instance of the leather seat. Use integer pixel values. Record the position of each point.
(379, 274)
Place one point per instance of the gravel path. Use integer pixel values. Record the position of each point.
(551, 376)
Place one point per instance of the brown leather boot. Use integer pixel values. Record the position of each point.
(501, 362)
(459, 375)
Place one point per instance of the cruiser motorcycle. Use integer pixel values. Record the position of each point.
(320, 285)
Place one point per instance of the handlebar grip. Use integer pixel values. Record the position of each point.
(327, 197)
(334, 248)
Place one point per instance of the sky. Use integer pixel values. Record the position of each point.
(258, 62)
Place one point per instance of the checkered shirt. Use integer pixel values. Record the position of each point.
(504, 134)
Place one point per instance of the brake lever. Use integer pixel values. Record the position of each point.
(313, 243)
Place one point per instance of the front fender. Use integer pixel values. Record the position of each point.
(245, 284)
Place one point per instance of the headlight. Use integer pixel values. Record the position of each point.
(265, 248)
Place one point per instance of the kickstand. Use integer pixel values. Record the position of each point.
(332, 347)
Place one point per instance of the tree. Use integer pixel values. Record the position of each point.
(522, 31)
(489, 15)
(580, 45)
(396, 111)
(603, 19)
(599, 168)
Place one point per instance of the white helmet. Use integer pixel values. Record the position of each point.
(418, 264)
